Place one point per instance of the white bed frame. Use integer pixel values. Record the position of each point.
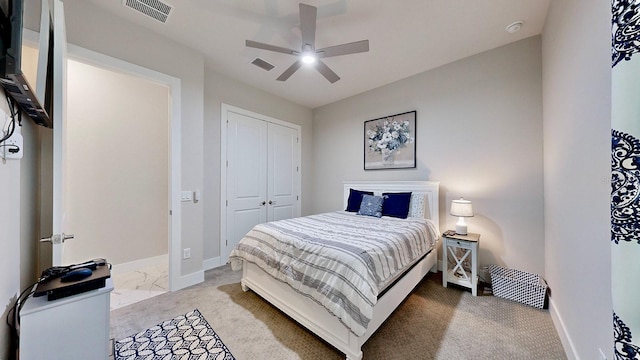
(315, 317)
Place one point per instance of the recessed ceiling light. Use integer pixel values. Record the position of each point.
(514, 27)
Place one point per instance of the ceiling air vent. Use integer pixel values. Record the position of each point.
(152, 8)
(262, 64)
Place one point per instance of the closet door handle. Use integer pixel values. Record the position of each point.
(263, 203)
(272, 202)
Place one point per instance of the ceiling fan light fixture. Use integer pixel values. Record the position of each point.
(308, 54)
(308, 58)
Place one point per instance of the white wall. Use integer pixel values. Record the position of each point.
(577, 166)
(221, 89)
(479, 132)
(116, 166)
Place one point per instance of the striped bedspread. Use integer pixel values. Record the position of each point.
(340, 260)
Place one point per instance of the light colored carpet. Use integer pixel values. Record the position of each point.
(433, 323)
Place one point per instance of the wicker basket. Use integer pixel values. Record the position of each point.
(520, 286)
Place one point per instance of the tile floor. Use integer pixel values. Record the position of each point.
(138, 285)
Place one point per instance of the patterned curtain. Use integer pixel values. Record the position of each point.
(625, 181)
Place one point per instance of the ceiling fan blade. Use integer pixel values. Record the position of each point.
(263, 46)
(344, 49)
(326, 72)
(308, 16)
(287, 73)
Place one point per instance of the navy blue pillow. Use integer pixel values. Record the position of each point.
(355, 199)
(396, 204)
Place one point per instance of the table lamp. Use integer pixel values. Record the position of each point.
(462, 209)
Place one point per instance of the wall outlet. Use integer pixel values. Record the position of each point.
(11, 149)
(186, 253)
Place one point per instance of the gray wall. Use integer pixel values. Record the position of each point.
(91, 27)
(202, 92)
(479, 132)
(491, 103)
(97, 30)
(577, 167)
(116, 166)
(221, 89)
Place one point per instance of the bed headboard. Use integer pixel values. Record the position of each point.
(430, 188)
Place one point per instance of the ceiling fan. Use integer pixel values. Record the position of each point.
(308, 53)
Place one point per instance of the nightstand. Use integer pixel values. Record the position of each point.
(73, 327)
(468, 245)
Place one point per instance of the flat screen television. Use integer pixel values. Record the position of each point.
(11, 77)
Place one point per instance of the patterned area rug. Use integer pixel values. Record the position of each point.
(185, 337)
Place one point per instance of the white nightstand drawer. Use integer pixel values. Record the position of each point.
(460, 244)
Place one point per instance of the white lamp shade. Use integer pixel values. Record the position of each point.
(461, 208)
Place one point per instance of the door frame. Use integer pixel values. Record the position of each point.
(174, 216)
(224, 109)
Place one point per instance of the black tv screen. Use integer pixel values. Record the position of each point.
(11, 77)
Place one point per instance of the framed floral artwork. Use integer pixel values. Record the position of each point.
(390, 142)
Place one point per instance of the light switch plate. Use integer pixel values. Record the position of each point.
(186, 196)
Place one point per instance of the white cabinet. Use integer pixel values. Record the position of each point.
(74, 327)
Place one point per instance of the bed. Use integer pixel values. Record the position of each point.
(345, 326)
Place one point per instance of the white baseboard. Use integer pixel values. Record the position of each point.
(565, 339)
(212, 263)
(139, 264)
(188, 280)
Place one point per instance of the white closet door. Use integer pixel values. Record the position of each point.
(246, 176)
(282, 171)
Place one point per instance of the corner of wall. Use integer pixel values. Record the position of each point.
(565, 339)
(187, 280)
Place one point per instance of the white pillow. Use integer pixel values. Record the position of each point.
(417, 205)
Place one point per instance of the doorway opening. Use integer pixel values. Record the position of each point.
(116, 168)
(123, 169)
